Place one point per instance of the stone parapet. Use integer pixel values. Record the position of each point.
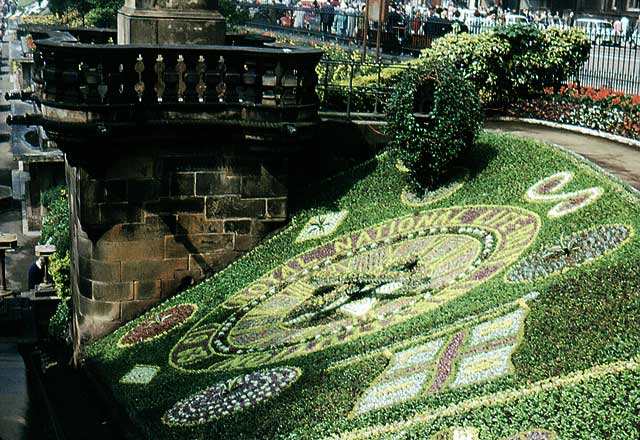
(153, 224)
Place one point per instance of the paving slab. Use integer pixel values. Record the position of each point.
(14, 400)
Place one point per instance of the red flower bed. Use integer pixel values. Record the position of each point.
(158, 324)
(601, 109)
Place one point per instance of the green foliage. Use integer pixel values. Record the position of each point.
(55, 230)
(583, 317)
(55, 224)
(60, 271)
(482, 59)
(514, 61)
(429, 146)
(59, 322)
(234, 16)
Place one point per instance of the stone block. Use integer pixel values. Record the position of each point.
(170, 287)
(91, 191)
(237, 226)
(145, 190)
(217, 184)
(244, 243)
(98, 270)
(85, 287)
(99, 310)
(131, 167)
(147, 290)
(172, 205)
(234, 206)
(113, 213)
(264, 185)
(177, 246)
(85, 247)
(132, 309)
(144, 270)
(152, 229)
(113, 191)
(111, 291)
(277, 208)
(129, 250)
(197, 224)
(209, 263)
(183, 184)
(188, 278)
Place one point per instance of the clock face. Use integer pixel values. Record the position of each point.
(358, 284)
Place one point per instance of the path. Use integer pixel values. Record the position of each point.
(619, 159)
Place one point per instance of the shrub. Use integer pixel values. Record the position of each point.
(514, 61)
(481, 58)
(427, 147)
(55, 224)
(59, 322)
(60, 270)
(55, 230)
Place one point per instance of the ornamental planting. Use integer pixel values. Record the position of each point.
(231, 396)
(358, 284)
(158, 324)
(140, 375)
(572, 251)
(474, 354)
(547, 191)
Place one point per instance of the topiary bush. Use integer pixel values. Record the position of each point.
(451, 117)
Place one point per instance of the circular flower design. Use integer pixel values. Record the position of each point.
(234, 395)
(158, 324)
(358, 284)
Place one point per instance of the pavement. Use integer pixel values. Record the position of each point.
(14, 402)
(14, 396)
(621, 160)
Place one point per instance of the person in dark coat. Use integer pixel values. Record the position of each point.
(36, 273)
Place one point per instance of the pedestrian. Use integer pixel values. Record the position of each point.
(36, 273)
(626, 28)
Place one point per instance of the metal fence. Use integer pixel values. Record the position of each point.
(614, 60)
(616, 66)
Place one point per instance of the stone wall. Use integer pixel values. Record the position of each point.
(150, 223)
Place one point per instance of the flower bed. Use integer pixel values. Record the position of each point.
(371, 318)
(599, 109)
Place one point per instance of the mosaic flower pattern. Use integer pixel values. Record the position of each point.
(358, 284)
(471, 355)
(444, 191)
(573, 251)
(140, 374)
(158, 324)
(321, 225)
(499, 398)
(234, 395)
(547, 191)
(473, 434)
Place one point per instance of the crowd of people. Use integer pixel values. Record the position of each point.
(418, 17)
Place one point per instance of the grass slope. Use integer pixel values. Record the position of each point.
(574, 371)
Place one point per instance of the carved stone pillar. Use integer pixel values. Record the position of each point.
(170, 22)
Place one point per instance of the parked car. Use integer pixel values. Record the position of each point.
(600, 31)
(515, 19)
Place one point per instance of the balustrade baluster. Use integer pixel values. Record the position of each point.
(201, 87)
(139, 68)
(181, 68)
(159, 68)
(221, 88)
